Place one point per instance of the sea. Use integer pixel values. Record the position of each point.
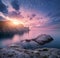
(33, 33)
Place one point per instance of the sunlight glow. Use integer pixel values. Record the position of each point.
(16, 23)
(13, 20)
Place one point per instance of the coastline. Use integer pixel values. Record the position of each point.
(30, 49)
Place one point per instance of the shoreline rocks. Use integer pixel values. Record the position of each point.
(30, 49)
(24, 53)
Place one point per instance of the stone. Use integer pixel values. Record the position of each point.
(36, 43)
(25, 53)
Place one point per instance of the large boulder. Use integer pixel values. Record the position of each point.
(34, 43)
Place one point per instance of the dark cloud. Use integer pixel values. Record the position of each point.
(32, 16)
(15, 14)
(39, 18)
(15, 4)
(3, 8)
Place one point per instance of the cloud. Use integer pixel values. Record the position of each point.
(14, 14)
(46, 14)
(3, 8)
(2, 18)
(15, 4)
(32, 16)
(55, 26)
(53, 14)
(56, 15)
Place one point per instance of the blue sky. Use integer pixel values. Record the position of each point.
(39, 13)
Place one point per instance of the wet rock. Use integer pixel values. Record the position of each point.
(25, 53)
(36, 42)
(53, 56)
(30, 49)
(43, 38)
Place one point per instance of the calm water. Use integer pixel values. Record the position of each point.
(32, 34)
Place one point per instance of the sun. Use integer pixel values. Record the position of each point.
(16, 22)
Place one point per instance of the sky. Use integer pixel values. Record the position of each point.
(33, 13)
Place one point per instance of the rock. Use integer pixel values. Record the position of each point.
(53, 56)
(25, 53)
(35, 43)
(29, 45)
(42, 39)
(30, 48)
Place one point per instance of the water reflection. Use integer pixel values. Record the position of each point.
(14, 39)
(9, 35)
(7, 39)
(32, 34)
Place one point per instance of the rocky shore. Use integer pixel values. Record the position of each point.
(30, 49)
(24, 53)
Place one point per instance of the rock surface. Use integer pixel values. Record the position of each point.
(30, 49)
(24, 53)
(34, 43)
